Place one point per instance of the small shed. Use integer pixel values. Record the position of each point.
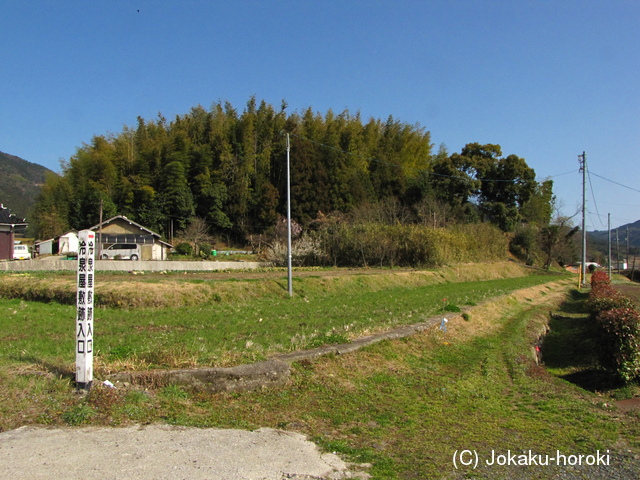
(44, 247)
(68, 243)
(120, 229)
(65, 244)
(9, 225)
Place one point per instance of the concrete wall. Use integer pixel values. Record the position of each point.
(127, 265)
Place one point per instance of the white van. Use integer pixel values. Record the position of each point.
(21, 252)
(121, 251)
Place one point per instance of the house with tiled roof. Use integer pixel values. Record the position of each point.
(119, 230)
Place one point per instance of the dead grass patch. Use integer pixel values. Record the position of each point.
(488, 318)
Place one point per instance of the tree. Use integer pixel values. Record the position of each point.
(147, 208)
(539, 208)
(196, 233)
(51, 212)
(557, 241)
(176, 196)
(501, 185)
(508, 180)
(524, 243)
(453, 179)
(433, 212)
(228, 168)
(309, 176)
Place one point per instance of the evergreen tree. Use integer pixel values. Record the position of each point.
(176, 197)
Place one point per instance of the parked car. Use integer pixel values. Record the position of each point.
(121, 251)
(21, 252)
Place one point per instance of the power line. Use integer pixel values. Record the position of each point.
(621, 204)
(565, 173)
(617, 183)
(593, 195)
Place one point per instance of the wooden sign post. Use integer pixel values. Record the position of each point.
(84, 310)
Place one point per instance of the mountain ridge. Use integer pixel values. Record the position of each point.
(20, 183)
(600, 237)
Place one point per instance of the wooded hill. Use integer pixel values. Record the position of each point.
(20, 183)
(229, 169)
(598, 242)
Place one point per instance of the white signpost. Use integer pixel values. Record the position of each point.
(84, 310)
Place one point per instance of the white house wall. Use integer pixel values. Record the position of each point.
(68, 243)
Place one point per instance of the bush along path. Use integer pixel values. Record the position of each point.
(618, 322)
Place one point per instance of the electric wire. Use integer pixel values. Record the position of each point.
(593, 195)
(565, 173)
(616, 183)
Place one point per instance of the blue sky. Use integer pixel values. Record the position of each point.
(546, 80)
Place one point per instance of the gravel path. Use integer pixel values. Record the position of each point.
(160, 452)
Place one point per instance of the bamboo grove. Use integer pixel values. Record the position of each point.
(228, 168)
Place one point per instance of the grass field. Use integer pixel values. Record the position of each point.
(249, 327)
(402, 406)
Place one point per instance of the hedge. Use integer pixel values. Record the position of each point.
(619, 324)
(621, 342)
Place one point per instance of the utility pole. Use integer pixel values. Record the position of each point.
(609, 246)
(583, 166)
(290, 279)
(627, 256)
(99, 242)
(617, 251)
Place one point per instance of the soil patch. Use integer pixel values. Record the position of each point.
(629, 404)
(631, 290)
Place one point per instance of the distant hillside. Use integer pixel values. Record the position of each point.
(599, 237)
(20, 183)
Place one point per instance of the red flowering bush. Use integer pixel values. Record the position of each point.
(604, 297)
(620, 344)
(599, 278)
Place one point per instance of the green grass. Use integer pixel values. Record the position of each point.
(403, 406)
(406, 406)
(234, 332)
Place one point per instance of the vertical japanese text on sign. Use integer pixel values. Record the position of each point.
(84, 310)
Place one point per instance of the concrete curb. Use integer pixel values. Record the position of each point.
(268, 374)
(357, 344)
(255, 376)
